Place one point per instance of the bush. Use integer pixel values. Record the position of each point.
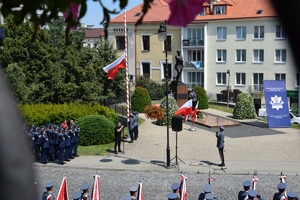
(41, 114)
(95, 129)
(244, 107)
(173, 107)
(201, 97)
(232, 95)
(140, 99)
(154, 112)
(156, 91)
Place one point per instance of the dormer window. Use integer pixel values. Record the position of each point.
(220, 10)
(202, 13)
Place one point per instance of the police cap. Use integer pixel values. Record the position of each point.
(133, 188)
(49, 125)
(252, 193)
(207, 188)
(222, 128)
(49, 185)
(291, 195)
(76, 195)
(42, 126)
(84, 186)
(246, 183)
(172, 196)
(281, 186)
(209, 196)
(175, 186)
(127, 197)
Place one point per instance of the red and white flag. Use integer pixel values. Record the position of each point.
(140, 195)
(113, 68)
(63, 190)
(185, 109)
(182, 188)
(195, 113)
(96, 188)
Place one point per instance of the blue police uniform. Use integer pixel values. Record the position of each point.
(136, 124)
(45, 146)
(131, 128)
(48, 195)
(220, 144)
(61, 146)
(84, 187)
(31, 141)
(68, 145)
(51, 136)
(72, 135)
(281, 189)
(38, 143)
(77, 139)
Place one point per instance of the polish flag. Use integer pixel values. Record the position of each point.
(185, 109)
(182, 188)
(96, 188)
(113, 68)
(195, 113)
(63, 190)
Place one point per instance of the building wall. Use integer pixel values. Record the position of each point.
(269, 44)
(156, 55)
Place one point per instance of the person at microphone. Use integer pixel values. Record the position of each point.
(118, 130)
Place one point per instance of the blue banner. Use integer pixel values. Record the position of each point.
(276, 104)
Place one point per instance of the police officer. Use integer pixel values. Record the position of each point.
(61, 146)
(68, 144)
(175, 189)
(55, 133)
(131, 128)
(220, 144)
(76, 196)
(136, 124)
(127, 197)
(31, 141)
(281, 191)
(172, 196)
(45, 147)
(49, 194)
(291, 195)
(51, 136)
(243, 194)
(76, 140)
(85, 191)
(72, 135)
(209, 196)
(207, 190)
(133, 192)
(38, 143)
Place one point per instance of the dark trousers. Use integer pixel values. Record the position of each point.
(44, 155)
(37, 152)
(118, 143)
(67, 152)
(60, 155)
(71, 149)
(221, 153)
(75, 149)
(131, 132)
(136, 131)
(51, 152)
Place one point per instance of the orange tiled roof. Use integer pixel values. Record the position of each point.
(94, 33)
(235, 9)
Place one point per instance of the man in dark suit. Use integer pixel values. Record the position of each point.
(118, 130)
(220, 144)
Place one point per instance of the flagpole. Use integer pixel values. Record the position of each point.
(127, 74)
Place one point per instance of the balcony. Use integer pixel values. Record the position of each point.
(192, 42)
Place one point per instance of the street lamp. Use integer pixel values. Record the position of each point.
(162, 36)
(228, 72)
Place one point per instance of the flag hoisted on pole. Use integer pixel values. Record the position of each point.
(185, 109)
(113, 68)
(182, 188)
(63, 190)
(96, 188)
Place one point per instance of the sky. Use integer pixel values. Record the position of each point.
(94, 14)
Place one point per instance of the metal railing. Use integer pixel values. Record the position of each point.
(193, 42)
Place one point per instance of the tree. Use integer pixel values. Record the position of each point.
(173, 107)
(244, 107)
(201, 97)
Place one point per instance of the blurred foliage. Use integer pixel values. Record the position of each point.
(140, 99)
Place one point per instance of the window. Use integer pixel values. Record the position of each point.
(145, 69)
(146, 42)
(221, 33)
(221, 55)
(280, 55)
(240, 79)
(120, 42)
(258, 79)
(202, 13)
(297, 80)
(195, 55)
(241, 32)
(221, 78)
(280, 32)
(258, 55)
(259, 32)
(196, 36)
(169, 71)
(219, 10)
(240, 55)
(169, 43)
(280, 77)
(194, 79)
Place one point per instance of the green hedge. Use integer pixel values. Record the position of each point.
(140, 99)
(95, 130)
(39, 114)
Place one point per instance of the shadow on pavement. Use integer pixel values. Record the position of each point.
(209, 163)
(105, 160)
(130, 161)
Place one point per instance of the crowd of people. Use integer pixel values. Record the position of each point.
(50, 143)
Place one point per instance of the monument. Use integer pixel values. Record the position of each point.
(179, 89)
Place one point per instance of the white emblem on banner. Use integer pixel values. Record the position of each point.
(276, 102)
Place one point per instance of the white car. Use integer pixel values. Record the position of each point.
(295, 118)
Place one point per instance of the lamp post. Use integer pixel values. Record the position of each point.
(228, 72)
(162, 36)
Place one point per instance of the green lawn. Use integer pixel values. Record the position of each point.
(102, 149)
(222, 108)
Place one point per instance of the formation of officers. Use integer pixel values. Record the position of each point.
(133, 127)
(51, 143)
